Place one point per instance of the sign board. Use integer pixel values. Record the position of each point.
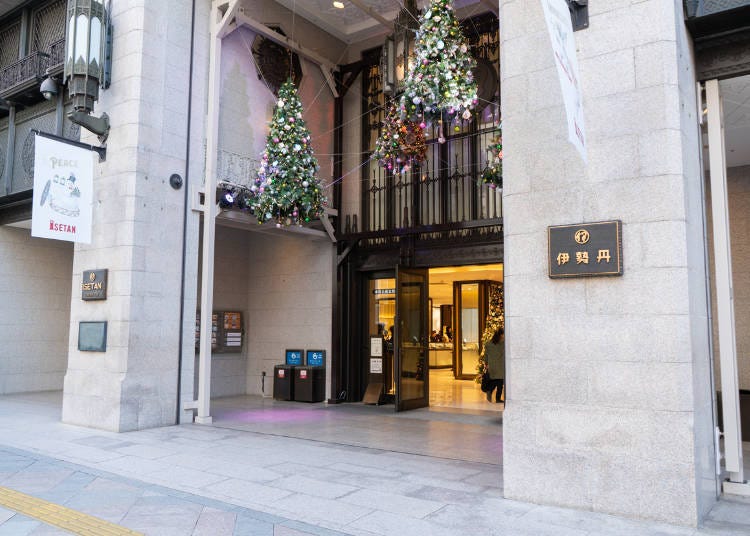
(316, 358)
(63, 191)
(376, 365)
(293, 357)
(376, 346)
(586, 249)
(560, 28)
(94, 285)
(302, 374)
(92, 336)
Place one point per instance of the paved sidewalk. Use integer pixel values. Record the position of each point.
(323, 486)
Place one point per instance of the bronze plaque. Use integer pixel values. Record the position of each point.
(94, 285)
(585, 250)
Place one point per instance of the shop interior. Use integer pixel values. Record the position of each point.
(458, 306)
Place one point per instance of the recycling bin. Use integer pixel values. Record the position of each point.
(309, 384)
(283, 382)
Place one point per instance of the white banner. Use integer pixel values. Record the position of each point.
(560, 29)
(63, 191)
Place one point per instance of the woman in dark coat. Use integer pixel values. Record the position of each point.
(494, 355)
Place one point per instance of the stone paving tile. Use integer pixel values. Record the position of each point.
(320, 487)
(212, 522)
(394, 503)
(19, 525)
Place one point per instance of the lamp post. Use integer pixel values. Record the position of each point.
(86, 38)
(399, 48)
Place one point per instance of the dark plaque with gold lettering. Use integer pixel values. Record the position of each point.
(94, 285)
(585, 250)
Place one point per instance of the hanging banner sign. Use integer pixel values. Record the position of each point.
(63, 191)
(560, 29)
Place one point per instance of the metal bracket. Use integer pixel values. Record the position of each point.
(579, 14)
(101, 151)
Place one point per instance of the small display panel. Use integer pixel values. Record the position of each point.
(293, 357)
(92, 336)
(316, 358)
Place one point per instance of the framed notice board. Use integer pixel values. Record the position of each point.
(227, 333)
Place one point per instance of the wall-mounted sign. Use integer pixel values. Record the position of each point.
(376, 346)
(94, 285)
(376, 365)
(316, 358)
(381, 291)
(63, 191)
(293, 357)
(92, 336)
(586, 249)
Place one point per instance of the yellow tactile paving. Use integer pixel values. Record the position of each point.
(59, 516)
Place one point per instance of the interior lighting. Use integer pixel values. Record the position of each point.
(338, 5)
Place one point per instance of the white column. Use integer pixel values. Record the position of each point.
(724, 293)
(209, 221)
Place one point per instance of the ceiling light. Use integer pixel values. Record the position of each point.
(338, 5)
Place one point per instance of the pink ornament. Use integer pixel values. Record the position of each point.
(422, 125)
(291, 119)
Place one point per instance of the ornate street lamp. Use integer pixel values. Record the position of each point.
(87, 36)
(399, 48)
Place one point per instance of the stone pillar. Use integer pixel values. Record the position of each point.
(138, 228)
(609, 386)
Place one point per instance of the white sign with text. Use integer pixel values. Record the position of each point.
(63, 191)
(560, 29)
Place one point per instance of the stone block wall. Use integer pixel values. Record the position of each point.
(289, 302)
(607, 377)
(35, 311)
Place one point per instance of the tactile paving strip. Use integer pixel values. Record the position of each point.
(59, 516)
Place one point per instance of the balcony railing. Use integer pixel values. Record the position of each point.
(23, 74)
(702, 8)
(57, 55)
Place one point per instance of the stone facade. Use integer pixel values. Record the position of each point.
(36, 295)
(138, 227)
(608, 383)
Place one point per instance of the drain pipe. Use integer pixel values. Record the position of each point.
(186, 186)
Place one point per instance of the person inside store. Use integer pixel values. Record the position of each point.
(494, 354)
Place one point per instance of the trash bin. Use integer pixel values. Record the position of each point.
(309, 384)
(283, 382)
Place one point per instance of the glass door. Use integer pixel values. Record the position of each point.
(411, 338)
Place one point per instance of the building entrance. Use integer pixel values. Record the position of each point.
(425, 330)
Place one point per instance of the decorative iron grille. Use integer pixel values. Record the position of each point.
(24, 71)
(447, 187)
(40, 117)
(10, 37)
(48, 25)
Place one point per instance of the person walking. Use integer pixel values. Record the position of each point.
(494, 355)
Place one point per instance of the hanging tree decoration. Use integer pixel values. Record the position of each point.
(286, 187)
(440, 77)
(493, 173)
(401, 142)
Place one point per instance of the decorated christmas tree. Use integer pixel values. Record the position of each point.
(401, 142)
(286, 188)
(440, 78)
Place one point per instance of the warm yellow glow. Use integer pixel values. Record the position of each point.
(465, 269)
(338, 5)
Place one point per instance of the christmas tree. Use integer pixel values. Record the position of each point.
(400, 143)
(286, 189)
(495, 319)
(440, 78)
